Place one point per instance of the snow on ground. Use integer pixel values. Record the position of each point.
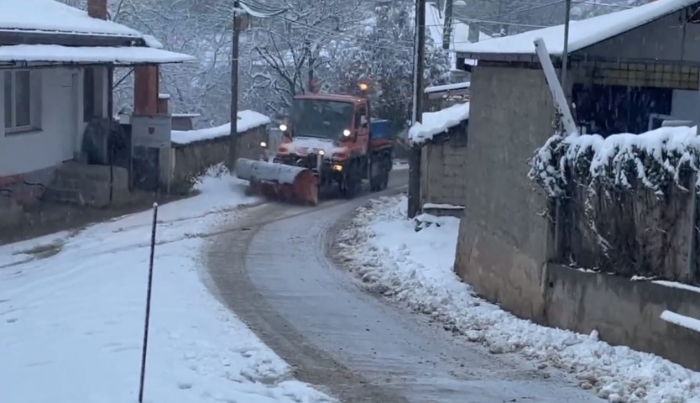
(71, 316)
(438, 122)
(416, 268)
(246, 120)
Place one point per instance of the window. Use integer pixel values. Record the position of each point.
(18, 100)
(361, 116)
(88, 94)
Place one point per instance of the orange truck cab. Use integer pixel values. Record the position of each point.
(332, 136)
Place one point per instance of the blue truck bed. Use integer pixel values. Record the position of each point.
(379, 130)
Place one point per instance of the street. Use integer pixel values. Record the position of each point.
(274, 269)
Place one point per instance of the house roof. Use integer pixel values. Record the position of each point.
(330, 97)
(49, 16)
(582, 34)
(56, 54)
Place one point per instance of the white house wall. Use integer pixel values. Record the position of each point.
(61, 126)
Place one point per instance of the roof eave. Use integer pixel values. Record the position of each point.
(503, 57)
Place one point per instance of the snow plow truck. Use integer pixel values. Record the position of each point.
(329, 141)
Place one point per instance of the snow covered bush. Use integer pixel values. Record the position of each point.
(625, 204)
(653, 159)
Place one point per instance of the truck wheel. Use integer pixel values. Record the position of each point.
(375, 182)
(352, 182)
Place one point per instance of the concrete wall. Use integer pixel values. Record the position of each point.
(666, 39)
(443, 173)
(624, 312)
(90, 185)
(503, 239)
(193, 159)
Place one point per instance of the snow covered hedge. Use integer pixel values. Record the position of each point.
(625, 200)
(654, 159)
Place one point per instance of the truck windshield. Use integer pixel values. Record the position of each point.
(321, 118)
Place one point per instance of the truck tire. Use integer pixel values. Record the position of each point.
(386, 169)
(375, 182)
(351, 182)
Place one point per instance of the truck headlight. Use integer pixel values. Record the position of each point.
(263, 144)
(283, 127)
(346, 133)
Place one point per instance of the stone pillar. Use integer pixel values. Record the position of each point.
(97, 9)
(162, 107)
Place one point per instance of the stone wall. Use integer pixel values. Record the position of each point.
(90, 185)
(624, 312)
(443, 169)
(193, 159)
(503, 236)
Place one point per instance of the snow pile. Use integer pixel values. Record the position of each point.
(656, 159)
(246, 120)
(438, 122)
(72, 311)
(582, 33)
(416, 268)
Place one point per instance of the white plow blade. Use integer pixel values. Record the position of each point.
(264, 171)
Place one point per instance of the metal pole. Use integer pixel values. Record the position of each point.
(565, 53)
(414, 161)
(234, 87)
(148, 301)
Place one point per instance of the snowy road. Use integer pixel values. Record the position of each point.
(272, 270)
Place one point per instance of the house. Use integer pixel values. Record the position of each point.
(442, 136)
(438, 97)
(624, 67)
(57, 67)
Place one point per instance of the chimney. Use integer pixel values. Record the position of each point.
(473, 35)
(146, 90)
(97, 9)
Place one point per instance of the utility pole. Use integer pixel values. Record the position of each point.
(233, 139)
(414, 161)
(447, 29)
(310, 60)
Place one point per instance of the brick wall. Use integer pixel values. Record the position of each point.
(658, 75)
(443, 172)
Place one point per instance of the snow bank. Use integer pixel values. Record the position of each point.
(416, 268)
(438, 122)
(246, 120)
(655, 158)
(582, 33)
(71, 315)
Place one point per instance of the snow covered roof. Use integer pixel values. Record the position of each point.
(49, 16)
(246, 120)
(448, 87)
(582, 33)
(438, 122)
(56, 54)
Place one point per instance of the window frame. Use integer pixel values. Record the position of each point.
(13, 129)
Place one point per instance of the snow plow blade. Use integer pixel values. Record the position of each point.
(281, 182)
